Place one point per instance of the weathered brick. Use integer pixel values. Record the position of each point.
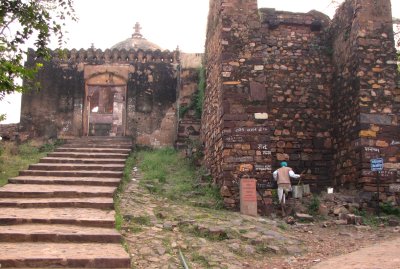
(320, 116)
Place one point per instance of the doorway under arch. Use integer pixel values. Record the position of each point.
(105, 105)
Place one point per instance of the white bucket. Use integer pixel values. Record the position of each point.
(306, 189)
(297, 191)
(330, 190)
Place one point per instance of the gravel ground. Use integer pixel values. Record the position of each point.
(156, 229)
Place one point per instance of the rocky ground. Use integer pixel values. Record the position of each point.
(156, 230)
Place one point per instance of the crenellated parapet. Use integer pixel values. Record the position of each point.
(98, 56)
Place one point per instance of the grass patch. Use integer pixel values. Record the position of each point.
(14, 157)
(133, 228)
(368, 218)
(142, 220)
(168, 174)
(283, 226)
(129, 164)
(200, 259)
(204, 233)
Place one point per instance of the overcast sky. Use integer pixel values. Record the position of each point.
(168, 24)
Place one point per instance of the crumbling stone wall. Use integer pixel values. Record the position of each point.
(298, 67)
(57, 109)
(298, 87)
(235, 79)
(366, 101)
(9, 131)
(189, 121)
(50, 110)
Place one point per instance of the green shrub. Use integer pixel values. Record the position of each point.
(313, 207)
(197, 100)
(389, 209)
(199, 97)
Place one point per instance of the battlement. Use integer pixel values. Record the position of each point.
(112, 56)
(313, 19)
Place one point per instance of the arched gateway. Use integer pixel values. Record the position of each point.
(132, 89)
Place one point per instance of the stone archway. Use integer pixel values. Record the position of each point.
(105, 105)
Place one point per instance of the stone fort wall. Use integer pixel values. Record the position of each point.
(317, 93)
(57, 109)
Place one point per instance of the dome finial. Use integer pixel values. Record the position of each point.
(137, 33)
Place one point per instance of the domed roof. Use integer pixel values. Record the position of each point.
(137, 41)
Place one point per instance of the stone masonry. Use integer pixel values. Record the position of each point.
(148, 80)
(366, 101)
(318, 93)
(60, 212)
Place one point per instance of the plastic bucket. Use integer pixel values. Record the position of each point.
(297, 191)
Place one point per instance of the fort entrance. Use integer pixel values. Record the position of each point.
(105, 107)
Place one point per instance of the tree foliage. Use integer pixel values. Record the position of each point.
(23, 20)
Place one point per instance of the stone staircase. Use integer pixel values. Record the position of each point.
(59, 212)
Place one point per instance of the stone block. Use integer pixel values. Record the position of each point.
(248, 197)
(261, 116)
(258, 91)
(323, 210)
(367, 133)
(380, 119)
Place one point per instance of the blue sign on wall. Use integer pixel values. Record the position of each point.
(377, 164)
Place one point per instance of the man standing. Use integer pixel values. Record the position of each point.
(283, 175)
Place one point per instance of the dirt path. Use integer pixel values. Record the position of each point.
(155, 228)
(324, 244)
(384, 255)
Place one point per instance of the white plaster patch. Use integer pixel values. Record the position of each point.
(261, 116)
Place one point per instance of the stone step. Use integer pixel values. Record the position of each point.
(98, 145)
(77, 173)
(58, 233)
(81, 202)
(83, 161)
(83, 255)
(54, 191)
(102, 138)
(76, 166)
(69, 216)
(95, 150)
(87, 155)
(92, 181)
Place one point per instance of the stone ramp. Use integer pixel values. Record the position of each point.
(59, 212)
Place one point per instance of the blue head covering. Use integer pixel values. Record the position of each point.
(284, 164)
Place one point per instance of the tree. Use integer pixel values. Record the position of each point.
(23, 20)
